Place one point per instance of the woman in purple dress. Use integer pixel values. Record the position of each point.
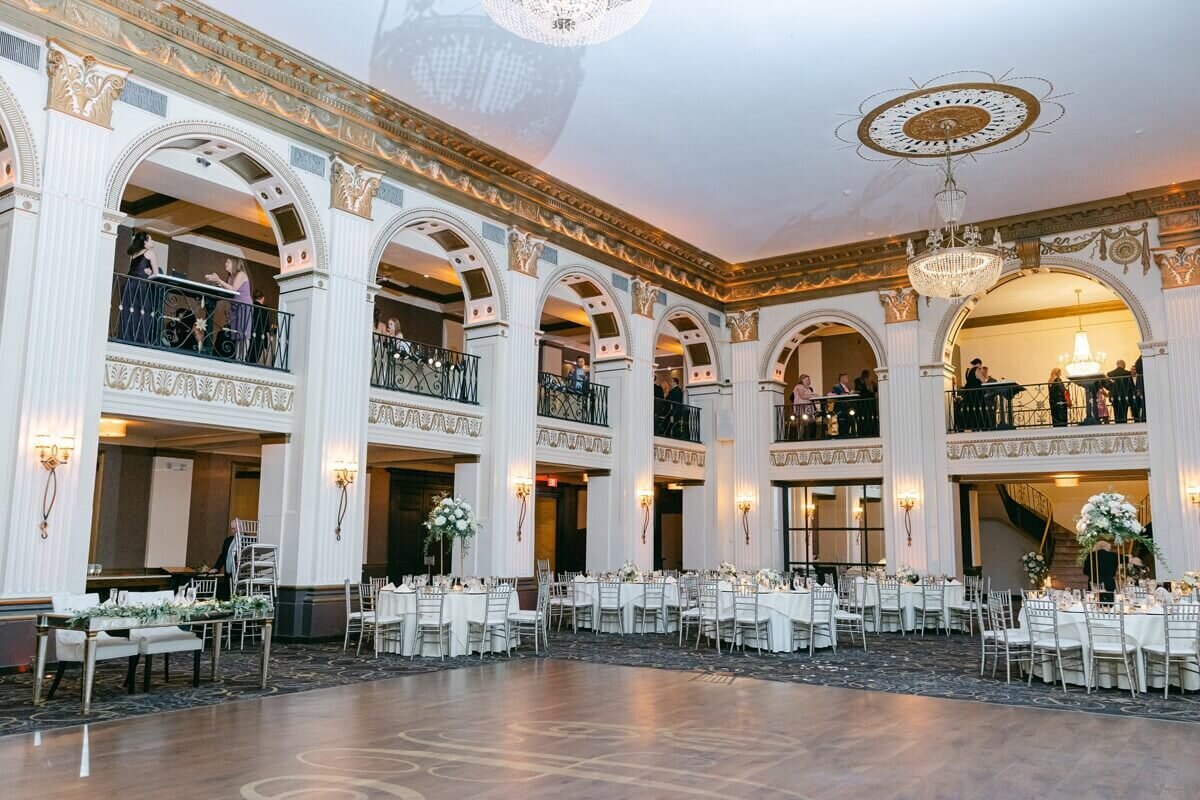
(242, 309)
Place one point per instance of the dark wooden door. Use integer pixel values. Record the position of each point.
(411, 499)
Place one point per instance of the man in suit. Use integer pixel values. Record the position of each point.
(841, 409)
(1106, 570)
(1120, 384)
(676, 421)
(676, 393)
(1139, 391)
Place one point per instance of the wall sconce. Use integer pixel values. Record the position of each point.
(523, 488)
(859, 512)
(1193, 494)
(52, 454)
(744, 504)
(344, 473)
(646, 501)
(907, 501)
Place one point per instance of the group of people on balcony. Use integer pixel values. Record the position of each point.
(156, 314)
(846, 411)
(409, 366)
(671, 417)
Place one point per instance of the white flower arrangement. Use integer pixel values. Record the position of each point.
(768, 578)
(726, 571)
(452, 518)
(1035, 567)
(1135, 569)
(629, 573)
(908, 575)
(1190, 581)
(1108, 516)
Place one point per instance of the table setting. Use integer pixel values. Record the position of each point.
(465, 601)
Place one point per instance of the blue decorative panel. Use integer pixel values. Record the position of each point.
(620, 282)
(145, 98)
(390, 193)
(549, 255)
(493, 233)
(714, 319)
(308, 161)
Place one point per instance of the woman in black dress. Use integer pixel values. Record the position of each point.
(1060, 399)
(136, 314)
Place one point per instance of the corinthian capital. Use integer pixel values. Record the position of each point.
(743, 326)
(644, 296)
(1180, 267)
(82, 85)
(352, 186)
(899, 305)
(524, 250)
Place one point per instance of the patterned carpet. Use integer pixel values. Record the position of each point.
(929, 667)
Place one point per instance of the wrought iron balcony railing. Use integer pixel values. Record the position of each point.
(821, 419)
(408, 366)
(1007, 405)
(575, 400)
(676, 420)
(170, 313)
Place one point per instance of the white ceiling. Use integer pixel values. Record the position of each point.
(1042, 291)
(714, 119)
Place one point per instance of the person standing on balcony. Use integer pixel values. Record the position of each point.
(1120, 385)
(803, 408)
(241, 307)
(136, 312)
(676, 421)
(866, 387)
(1060, 399)
(258, 328)
(973, 395)
(1137, 400)
(840, 408)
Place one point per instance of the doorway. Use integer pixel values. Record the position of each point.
(413, 495)
(831, 525)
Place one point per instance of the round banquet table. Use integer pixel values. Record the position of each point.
(460, 608)
(782, 607)
(631, 594)
(910, 600)
(1141, 628)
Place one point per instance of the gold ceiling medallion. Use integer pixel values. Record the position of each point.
(979, 114)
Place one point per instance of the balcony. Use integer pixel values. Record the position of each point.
(407, 366)
(1007, 405)
(676, 421)
(165, 312)
(582, 401)
(827, 418)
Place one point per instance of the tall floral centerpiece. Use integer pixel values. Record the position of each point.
(1109, 517)
(452, 519)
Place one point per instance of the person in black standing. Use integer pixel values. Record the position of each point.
(841, 409)
(259, 324)
(1120, 385)
(675, 423)
(137, 308)
(1139, 391)
(865, 386)
(973, 395)
(1106, 570)
(1060, 399)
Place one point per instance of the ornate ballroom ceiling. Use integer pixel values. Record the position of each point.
(715, 120)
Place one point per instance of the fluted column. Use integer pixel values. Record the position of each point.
(331, 343)
(707, 510)
(59, 387)
(752, 545)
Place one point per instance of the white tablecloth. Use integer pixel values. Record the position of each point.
(910, 600)
(782, 608)
(1141, 628)
(460, 608)
(631, 594)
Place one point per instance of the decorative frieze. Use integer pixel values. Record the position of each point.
(574, 441)
(743, 326)
(524, 250)
(81, 84)
(1179, 267)
(1123, 246)
(352, 187)
(422, 418)
(148, 377)
(851, 455)
(899, 305)
(645, 294)
(684, 457)
(1091, 443)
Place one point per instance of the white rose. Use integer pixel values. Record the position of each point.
(458, 513)
(445, 501)
(461, 524)
(439, 520)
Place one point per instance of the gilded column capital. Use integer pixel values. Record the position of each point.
(82, 85)
(524, 250)
(743, 326)
(352, 186)
(899, 305)
(1179, 267)
(644, 296)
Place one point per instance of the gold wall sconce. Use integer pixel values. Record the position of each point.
(646, 501)
(344, 474)
(908, 501)
(1193, 494)
(523, 488)
(744, 504)
(53, 453)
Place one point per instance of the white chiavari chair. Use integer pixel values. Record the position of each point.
(1107, 642)
(967, 613)
(373, 622)
(651, 606)
(536, 621)
(610, 605)
(890, 603)
(354, 615)
(688, 614)
(820, 620)
(932, 603)
(711, 617)
(495, 621)
(850, 614)
(1001, 636)
(1181, 645)
(1046, 644)
(431, 620)
(749, 617)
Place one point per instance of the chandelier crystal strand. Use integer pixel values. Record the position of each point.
(1081, 361)
(566, 23)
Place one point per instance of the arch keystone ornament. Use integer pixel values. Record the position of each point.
(1180, 267)
(644, 296)
(524, 250)
(82, 85)
(352, 187)
(899, 305)
(743, 326)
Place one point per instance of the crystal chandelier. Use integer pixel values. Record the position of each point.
(954, 265)
(566, 23)
(1082, 361)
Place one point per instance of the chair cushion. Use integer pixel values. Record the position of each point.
(1113, 648)
(525, 616)
(182, 642)
(1063, 644)
(1176, 651)
(1015, 636)
(106, 647)
(748, 619)
(392, 619)
(847, 615)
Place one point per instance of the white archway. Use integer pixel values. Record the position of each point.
(791, 334)
(701, 358)
(609, 322)
(21, 167)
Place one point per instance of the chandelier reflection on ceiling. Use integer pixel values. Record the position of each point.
(566, 23)
(955, 264)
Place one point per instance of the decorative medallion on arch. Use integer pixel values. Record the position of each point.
(607, 334)
(699, 351)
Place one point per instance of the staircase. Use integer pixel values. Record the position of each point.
(1032, 512)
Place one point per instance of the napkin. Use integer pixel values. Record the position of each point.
(406, 588)
(670, 579)
(391, 587)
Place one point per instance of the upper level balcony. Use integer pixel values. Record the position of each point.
(166, 312)
(572, 400)
(828, 417)
(407, 366)
(1008, 405)
(677, 421)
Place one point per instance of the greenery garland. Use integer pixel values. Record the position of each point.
(240, 605)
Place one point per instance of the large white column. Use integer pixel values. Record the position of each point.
(329, 332)
(58, 390)
(707, 511)
(753, 406)
(508, 394)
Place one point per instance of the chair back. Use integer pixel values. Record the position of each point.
(1137, 594)
(1181, 624)
(378, 583)
(889, 592)
(689, 591)
(205, 588)
(655, 593)
(366, 597)
(821, 607)
(849, 597)
(933, 593)
(431, 601)
(709, 599)
(610, 594)
(69, 604)
(510, 581)
(745, 603)
(999, 613)
(1042, 618)
(1105, 623)
(497, 603)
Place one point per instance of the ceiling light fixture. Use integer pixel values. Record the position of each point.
(955, 265)
(1082, 361)
(566, 23)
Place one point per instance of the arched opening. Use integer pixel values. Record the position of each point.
(581, 323)
(435, 280)
(1020, 355)
(830, 388)
(684, 357)
(211, 219)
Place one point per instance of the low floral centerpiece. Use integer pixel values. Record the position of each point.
(237, 606)
(452, 518)
(768, 578)
(1109, 517)
(1036, 568)
(908, 575)
(629, 573)
(1189, 582)
(1135, 569)
(727, 571)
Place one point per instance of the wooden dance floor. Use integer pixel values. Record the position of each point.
(559, 729)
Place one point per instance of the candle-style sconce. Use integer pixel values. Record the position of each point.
(344, 474)
(646, 501)
(744, 504)
(907, 501)
(52, 454)
(523, 488)
(1193, 494)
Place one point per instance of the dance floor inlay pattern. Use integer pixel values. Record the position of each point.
(548, 728)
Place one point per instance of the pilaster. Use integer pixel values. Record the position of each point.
(753, 403)
(707, 511)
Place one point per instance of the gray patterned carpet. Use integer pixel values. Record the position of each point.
(929, 667)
